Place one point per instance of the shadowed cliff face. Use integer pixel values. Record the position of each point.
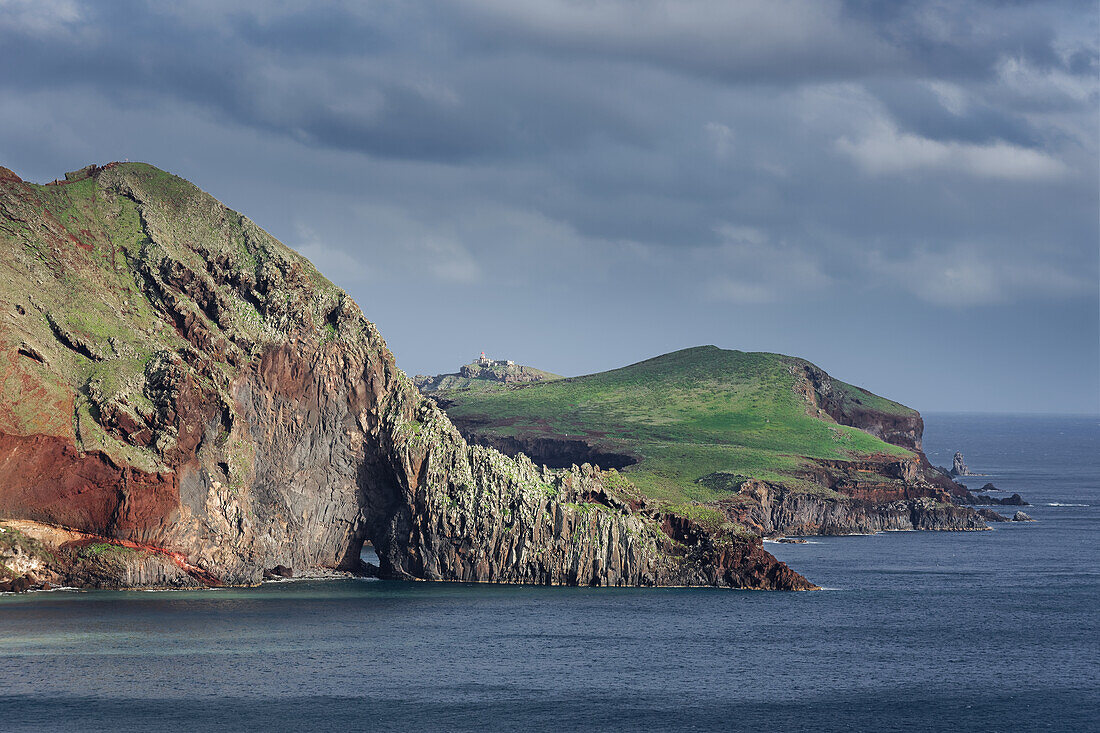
(552, 452)
(176, 378)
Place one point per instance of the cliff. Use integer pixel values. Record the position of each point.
(195, 403)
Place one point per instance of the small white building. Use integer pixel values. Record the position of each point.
(484, 361)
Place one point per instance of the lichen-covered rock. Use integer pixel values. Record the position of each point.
(200, 395)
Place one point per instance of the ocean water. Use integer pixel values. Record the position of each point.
(987, 631)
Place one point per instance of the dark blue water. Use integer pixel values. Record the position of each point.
(929, 631)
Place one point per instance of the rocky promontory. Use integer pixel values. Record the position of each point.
(486, 374)
(186, 401)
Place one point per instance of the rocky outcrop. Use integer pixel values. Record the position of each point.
(35, 555)
(959, 467)
(499, 374)
(850, 405)
(1021, 517)
(206, 406)
(1014, 500)
(774, 511)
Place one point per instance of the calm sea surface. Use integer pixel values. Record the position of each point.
(933, 631)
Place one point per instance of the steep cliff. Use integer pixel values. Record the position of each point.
(177, 383)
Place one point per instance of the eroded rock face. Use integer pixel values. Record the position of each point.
(848, 406)
(776, 511)
(205, 399)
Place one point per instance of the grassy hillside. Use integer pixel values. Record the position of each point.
(687, 415)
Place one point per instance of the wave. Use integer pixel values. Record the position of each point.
(1058, 503)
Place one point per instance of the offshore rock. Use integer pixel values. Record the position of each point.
(1014, 500)
(958, 466)
(1021, 517)
(200, 404)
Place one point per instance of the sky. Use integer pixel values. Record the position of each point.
(905, 193)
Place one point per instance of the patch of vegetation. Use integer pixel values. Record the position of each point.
(103, 550)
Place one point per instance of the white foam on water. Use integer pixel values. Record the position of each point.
(1056, 503)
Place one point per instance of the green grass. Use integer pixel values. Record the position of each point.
(104, 550)
(686, 415)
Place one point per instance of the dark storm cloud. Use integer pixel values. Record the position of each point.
(751, 171)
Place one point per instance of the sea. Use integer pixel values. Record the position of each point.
(929, 631)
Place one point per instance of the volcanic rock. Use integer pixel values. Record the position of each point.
(279, 571)
(958, 465)
(200, 404)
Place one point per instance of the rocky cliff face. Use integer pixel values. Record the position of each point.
(774, 511)
(850, 405)
(175, 382)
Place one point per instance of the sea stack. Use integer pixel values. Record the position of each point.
(958, 467)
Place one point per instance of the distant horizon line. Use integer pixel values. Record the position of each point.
(994, 413)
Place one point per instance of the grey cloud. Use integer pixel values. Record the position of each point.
(628, 178)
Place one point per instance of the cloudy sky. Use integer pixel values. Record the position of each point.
(905, 193)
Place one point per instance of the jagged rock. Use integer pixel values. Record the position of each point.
(279, 571)
(958, 465)
(22, 584)
(1021, 517)
(212, 406)
(1014, 500)
(991, 516)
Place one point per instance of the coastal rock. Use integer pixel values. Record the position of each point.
(1014, 500)
(279, 571)
(207, 406)
(991, 516)
(775, 511)
(958, 465)
(1021, 517)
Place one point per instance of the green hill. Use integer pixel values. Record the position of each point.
(699, 422)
